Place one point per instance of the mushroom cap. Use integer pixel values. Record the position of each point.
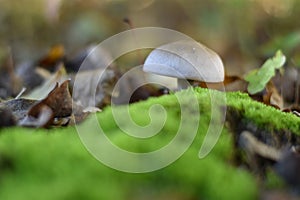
(186, 59)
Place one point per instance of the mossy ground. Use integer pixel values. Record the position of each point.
(54, 164)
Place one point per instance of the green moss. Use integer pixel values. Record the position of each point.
(54, 164)
(262, 115)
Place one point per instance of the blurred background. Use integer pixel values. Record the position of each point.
(243, 32)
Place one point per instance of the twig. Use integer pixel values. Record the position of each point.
(254, 146)
(20, 93)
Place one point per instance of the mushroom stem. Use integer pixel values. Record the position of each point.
(182, 84)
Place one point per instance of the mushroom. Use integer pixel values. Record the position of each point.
(185, 60)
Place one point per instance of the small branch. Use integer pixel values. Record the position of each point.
(254, 146)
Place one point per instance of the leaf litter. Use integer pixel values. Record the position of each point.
(50, 97)
(58, 104)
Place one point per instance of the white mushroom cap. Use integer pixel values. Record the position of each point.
(186, 59)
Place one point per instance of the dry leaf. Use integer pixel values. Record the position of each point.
(272, 96)
(43, 90)
(57, 108)
(43, 119)
(231, 83)
(295, 109)
(90, 91)
(54, 56)
(62, 107)
(59, 100)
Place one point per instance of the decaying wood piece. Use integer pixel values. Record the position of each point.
(253, 146)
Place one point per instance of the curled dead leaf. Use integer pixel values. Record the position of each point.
(43, 119)
(272, 96)
(59, 100)
(62, 108)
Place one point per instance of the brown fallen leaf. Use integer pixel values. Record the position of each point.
(53, 57)
(62, 107)
(295, 109)
(44, 118)
(59, 100)
(57, 109)
(296, 113)
(272, 96)
(228, 82)
(230, 79)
